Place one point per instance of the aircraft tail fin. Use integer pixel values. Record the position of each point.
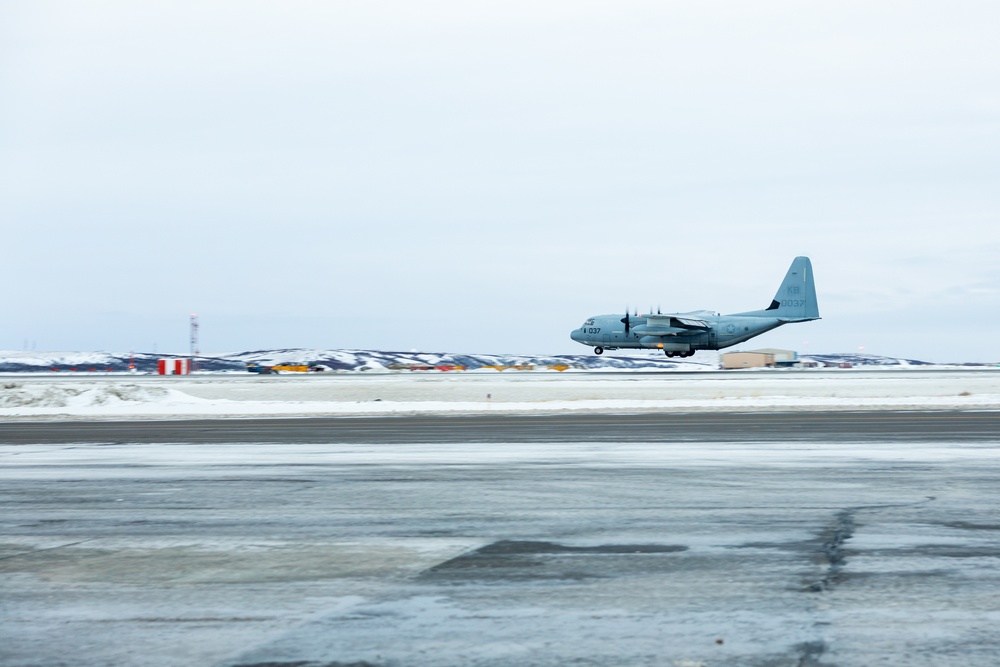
(795, 300)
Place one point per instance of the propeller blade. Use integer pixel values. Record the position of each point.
(628, 325)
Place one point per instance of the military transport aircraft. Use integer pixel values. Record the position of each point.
(681, 334)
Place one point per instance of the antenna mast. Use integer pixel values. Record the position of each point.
(194, 340)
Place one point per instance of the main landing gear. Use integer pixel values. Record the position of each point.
(598, 350)
(671, 353)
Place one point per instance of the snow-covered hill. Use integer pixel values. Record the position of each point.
(339, 360)
(360, 360)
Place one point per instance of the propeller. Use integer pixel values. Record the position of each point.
(628, 325)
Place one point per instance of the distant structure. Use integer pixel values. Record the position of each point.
(194, 341)
(173, 367)
(766, 358)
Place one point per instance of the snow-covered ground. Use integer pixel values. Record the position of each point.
(36, 396)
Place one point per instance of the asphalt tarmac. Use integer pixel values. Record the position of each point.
(826, 426)
(765, 539)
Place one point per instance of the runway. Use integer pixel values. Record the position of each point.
(833, 539)
(836, 426)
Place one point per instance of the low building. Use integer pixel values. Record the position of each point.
(766, 358)
(781, 357)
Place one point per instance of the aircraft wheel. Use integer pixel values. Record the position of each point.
(598, 350)
(668, 353)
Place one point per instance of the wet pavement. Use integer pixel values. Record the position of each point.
(693, 552)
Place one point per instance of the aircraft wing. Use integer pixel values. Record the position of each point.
(673, 324)
(682, 320)
(658, 330)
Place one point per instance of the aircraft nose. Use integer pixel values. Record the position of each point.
(576, 335)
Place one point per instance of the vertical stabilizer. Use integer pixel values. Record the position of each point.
(796, 298)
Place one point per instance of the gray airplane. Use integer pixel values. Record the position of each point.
(681, 334)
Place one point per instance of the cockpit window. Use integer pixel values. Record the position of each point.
(588, 323)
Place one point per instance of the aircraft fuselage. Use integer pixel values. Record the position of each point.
(608, 333)
(681, 334)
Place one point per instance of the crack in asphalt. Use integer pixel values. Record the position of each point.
(32, 552)
(809, 654)
(832, 552)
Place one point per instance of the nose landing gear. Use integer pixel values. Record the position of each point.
(598, 350)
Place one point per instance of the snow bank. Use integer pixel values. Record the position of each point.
(110, 397)
(81, 398)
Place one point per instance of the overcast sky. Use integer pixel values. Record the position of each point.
(482, 176)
